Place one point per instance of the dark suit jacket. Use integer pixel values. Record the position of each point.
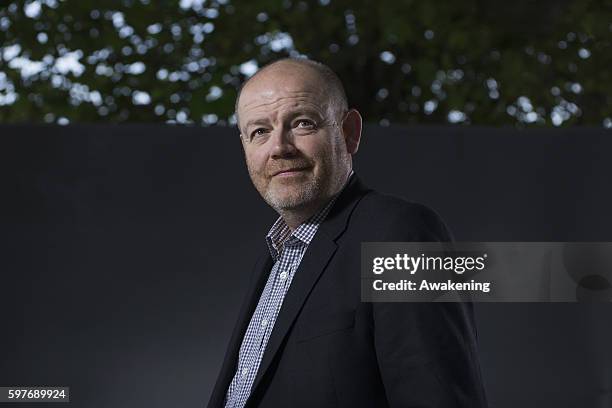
(328, 349)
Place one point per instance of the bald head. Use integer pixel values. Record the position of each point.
(328, 81)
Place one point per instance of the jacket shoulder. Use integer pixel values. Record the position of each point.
(395, 219)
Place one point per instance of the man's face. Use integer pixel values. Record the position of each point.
(292, 137)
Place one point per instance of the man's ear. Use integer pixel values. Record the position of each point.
(351, 128)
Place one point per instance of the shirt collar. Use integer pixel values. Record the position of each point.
(305, 232)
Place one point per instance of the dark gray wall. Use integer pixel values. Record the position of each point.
(125, 250)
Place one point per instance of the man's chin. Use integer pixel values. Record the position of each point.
(296, 196)
(287, 203)
(284, 201)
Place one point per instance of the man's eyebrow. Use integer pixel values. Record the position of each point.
(253, 122)
(305, 111)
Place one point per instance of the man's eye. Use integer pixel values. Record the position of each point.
(304, 124)
(258, 132)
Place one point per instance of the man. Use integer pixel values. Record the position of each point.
(303, 337)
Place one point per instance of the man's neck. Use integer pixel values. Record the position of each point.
(294, 218)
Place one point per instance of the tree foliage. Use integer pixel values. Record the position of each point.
(412, 61)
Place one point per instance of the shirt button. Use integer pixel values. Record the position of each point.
(245, 371)
(264, 322)
(283, 276)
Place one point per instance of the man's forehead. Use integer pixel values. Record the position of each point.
(286, 81)
(284, 100)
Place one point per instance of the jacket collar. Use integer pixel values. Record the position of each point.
(337, 219)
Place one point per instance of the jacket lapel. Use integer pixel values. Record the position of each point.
(228, 369)
(314, 262)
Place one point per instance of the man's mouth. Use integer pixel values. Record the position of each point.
(289, 172)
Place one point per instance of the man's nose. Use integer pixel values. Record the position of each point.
(282, 143)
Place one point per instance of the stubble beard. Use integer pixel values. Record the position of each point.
(305, 195)
(299, 196)
(294, 197)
